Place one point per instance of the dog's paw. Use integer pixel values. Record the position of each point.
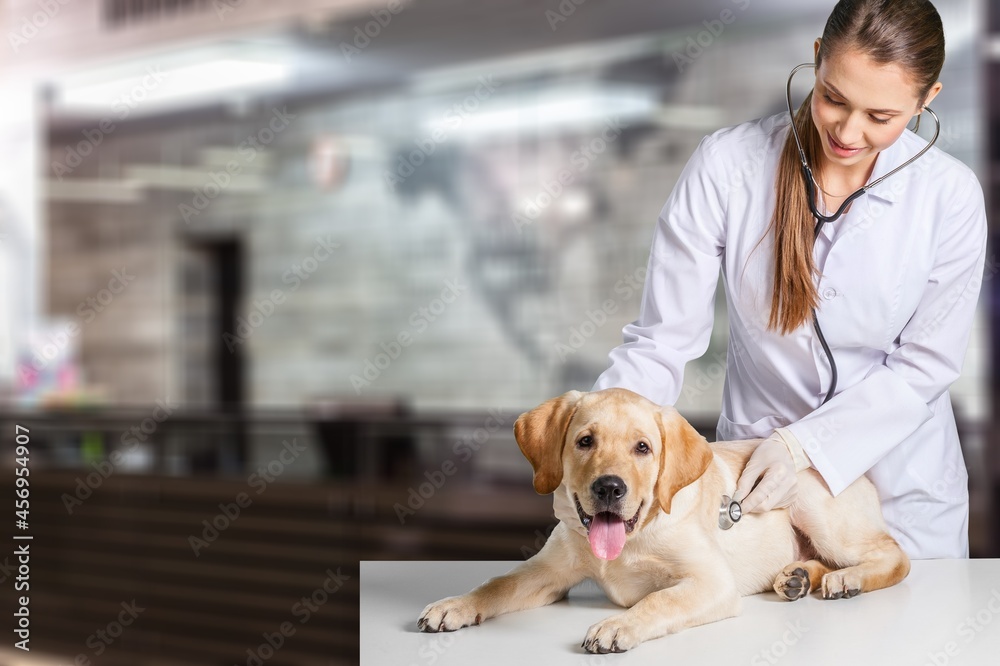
(449, 614)
(841, 584)
(615, 634)
(793, 582)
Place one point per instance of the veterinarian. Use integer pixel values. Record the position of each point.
(892, 282)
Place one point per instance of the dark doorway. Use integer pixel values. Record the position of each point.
(227, 258)
(213, 358)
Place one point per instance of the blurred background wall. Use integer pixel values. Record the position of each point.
(322, 254)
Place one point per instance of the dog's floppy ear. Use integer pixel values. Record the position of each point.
(541, 432)
(686, 455)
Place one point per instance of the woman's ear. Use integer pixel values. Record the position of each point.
(684, 458)
(541, 434)
(931, 94)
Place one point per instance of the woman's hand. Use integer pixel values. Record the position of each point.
(778, 487)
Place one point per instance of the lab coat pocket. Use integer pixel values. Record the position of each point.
(729, 430)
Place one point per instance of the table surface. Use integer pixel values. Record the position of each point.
(946, 612)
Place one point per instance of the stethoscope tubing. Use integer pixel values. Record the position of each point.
(822, 219)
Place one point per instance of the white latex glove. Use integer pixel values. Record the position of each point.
(778, 458)
(564, 509)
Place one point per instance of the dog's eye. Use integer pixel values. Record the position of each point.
(585, 442)
(642, 447)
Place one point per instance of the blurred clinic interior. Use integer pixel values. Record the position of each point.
(276, 279)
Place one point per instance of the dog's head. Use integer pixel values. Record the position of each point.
(620, 455)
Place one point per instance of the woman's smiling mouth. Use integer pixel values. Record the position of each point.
(839, 149)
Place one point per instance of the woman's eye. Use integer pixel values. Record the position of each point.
(585, 442)
(642, 447)
(880, 121)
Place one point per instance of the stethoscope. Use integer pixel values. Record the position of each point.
(729, 513)
(730, 510)
(822, 219)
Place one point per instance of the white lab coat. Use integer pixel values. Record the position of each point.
(901, 275)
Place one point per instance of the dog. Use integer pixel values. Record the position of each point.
(638, 495)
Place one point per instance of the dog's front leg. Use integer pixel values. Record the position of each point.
(706, 594)
(541, 580)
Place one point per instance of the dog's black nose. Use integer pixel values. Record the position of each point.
(608, 488)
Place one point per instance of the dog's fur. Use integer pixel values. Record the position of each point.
(677, 568)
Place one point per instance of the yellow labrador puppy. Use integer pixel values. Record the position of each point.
(638, 492)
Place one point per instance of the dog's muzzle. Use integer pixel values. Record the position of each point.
(588, 519)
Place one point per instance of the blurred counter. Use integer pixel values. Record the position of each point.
(946, 612)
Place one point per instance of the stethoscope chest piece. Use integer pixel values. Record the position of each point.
(730, 512)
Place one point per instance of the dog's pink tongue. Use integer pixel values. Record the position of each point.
(607, 536)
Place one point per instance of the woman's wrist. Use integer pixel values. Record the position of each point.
(795, 449)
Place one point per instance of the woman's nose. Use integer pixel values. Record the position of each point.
(849, 131)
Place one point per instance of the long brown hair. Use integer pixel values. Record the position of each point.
(905, 32)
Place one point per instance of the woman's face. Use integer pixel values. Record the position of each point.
(860, 108)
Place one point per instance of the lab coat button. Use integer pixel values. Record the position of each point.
(829, 293)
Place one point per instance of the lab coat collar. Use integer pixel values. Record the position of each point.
(887, 160)
(888, 190)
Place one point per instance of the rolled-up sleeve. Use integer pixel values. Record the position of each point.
(677, 309)
(850, 433)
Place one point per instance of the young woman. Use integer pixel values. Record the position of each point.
(893, 282)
